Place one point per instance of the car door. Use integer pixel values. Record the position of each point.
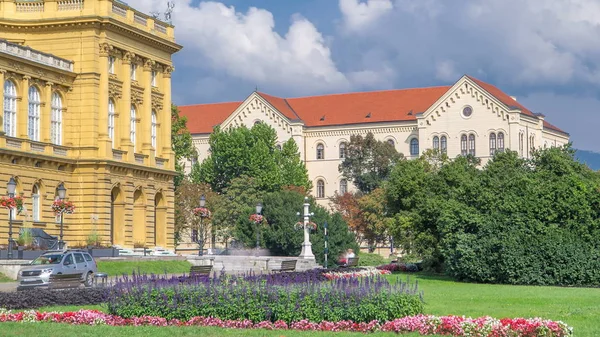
(69, 266)
(82, 266)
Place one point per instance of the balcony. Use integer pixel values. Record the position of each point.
(33, 147)
(28, 10)
(35, 56)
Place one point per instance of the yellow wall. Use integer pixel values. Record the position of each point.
(99, 176)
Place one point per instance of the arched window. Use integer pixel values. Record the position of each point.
(472, 144)
(35, 199)
(532, 142)
(320, 151)
(56, 120)
(436, 143)
(500, 142)
(343, 186)
(342, 150)
(111, 121)
(521, 141)
(153, 130)
(414, 147)
(320, 189)
(132, 121)
(444, 144)
(33, 125)
(391, 142)
(463, 145)
(10, 108)
(492, 144)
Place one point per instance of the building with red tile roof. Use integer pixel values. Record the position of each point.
(469, 117)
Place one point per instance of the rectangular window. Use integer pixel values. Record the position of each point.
(111, 64)
(153, 74)
(133, 71)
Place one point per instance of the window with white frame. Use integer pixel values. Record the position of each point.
(320, 189)
(500, 142)
(132, 126)
(532, 142)
(10, 108)
(414, 147)
(492, 144)
(463, 145)
(111, 121)
(133, 71)
(343, 186)
(521, 141)
(444, 144)
(33, 124)
(436, 143)
(320, 151)
(153, 130)
(472, 144)
(153, 77)
(111, 64)
(342, 150)
(56, 119)
(35, 200)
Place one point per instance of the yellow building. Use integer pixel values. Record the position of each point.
(86, 91)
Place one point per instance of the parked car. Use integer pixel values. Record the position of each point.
(37, 273)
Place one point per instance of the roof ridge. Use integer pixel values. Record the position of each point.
(370, 92)
(197, 104)
(289, 106)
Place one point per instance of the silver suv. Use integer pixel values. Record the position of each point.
(37, 273)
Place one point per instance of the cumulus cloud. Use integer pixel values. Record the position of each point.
(358, 14)
(246, 46)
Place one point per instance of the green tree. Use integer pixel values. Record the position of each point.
(368, 162)
(181, 142)
(252, 152)
(188, 196)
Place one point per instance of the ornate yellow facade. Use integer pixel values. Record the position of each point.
(86, 92)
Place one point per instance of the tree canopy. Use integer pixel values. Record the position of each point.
(181, 142)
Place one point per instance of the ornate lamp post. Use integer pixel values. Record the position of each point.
(62, 193)
(306, 245)
(201, 227)
(258, 211)
(10, 188)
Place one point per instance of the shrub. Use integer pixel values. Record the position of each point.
(233, 298)
(368, 259)
(36, 298)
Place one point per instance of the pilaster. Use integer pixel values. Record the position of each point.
(2, 79)
(46, 114)
(146, 111)
(23, 109)
(165, 122)
(125, 107)
(104, 142)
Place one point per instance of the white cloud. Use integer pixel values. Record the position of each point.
(358, 14)
(246, 46)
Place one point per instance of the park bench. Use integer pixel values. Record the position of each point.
(289, 265)
(64, 281)
(200, 270)
(352, 262)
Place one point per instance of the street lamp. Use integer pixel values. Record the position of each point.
(62, 193)
(258, 211)
(201, 228)
(10, 188)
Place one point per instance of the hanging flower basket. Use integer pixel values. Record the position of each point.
(257, 218)
(202, 212)
(310, 225)
(14, 202)
(62, 206)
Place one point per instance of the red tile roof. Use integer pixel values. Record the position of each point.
(342, 109)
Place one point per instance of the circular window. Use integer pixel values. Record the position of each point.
(467, 111)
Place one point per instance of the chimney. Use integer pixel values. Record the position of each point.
(514, 97)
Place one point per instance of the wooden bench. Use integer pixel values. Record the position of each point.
(289, 265)
(352, 262)
(64, 281)
(200, 270)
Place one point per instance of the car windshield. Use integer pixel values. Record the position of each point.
(48, 259)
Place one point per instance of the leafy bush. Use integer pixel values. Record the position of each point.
(368, 259)
(359, 300)
(36, 298)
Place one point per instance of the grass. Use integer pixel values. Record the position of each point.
(578, 307)
(4, 278)
(118, 268)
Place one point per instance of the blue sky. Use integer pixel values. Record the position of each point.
(545, 52)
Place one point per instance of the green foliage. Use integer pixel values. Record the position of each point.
(252, 152)
(370, 259)
(181, 142)
(119, 268)
(368, 162)
(515, 221)
(232, 212)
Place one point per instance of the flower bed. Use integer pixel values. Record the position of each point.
(425, 325)
(404, 267)
(354, 273)
(360, 300)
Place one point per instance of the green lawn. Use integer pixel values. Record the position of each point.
(118, 268)
(578, 307)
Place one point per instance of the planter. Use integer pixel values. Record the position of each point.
(21, 254)
(104, 252)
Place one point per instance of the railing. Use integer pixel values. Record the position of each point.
(29, 6)
(139, 19)
(60, 151)
(70, 5)
(34, 55)
(38, 147)
(139, 158)
(160, 162)
(117, 155)
(160, 28)
(16, 143)
(119, 10)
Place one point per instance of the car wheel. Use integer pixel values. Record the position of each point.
(89, 279)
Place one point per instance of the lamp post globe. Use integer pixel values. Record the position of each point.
(62, 191)
(11, 187)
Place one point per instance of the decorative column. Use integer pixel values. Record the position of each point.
(45, 123)
(306, 252)
(165, 122)
(2, 79)
(23, 107)
(146, 111)
(104, 142)
(125, 106)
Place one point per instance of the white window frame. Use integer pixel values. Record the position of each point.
(342, 150)
(493, 144)
(472, 145)
(133, 71)
(444, 144)
(33, 116)
(320, 189)
(111, 64)
(132, 126)
(56, 119)
(153, 77)
(500, 141)
(10, 108)
(320, 151)
(436, 143)
(111, 121)
(414, 147)
(153, 129)
(35, 203)
(343, 186)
